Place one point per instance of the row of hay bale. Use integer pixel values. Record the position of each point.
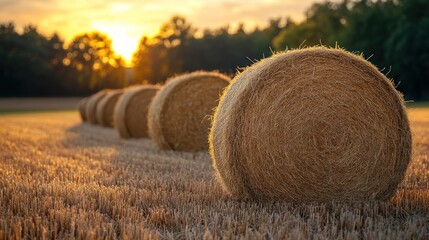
(176, 116)
(306, 125)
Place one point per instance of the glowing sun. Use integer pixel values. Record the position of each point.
(124, 40)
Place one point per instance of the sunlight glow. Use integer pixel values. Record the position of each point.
(119, 7)
(124, 42)
(124, 45)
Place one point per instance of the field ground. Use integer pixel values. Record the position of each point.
(8, 105)
(63, 179)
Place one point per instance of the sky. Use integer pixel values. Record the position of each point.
(125, 22)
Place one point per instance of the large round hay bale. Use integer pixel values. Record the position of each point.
(130, 114)
(105, 108)
(179, 116)
(91, 106)
(82, 108)
(308, 125)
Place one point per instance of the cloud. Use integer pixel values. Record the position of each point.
(250, 13)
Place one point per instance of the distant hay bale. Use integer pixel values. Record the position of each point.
(91, 106)
(130, 114)
(309, 125)
(82, 108)
(179, 114)
(106, 106)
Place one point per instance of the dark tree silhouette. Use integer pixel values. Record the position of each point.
(92, 56)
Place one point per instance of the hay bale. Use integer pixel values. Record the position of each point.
(130, 114)
(91, 106)
(179, 114)
(308, 125)
(105, 108)
(82, 108)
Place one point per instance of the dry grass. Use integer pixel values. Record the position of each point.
(59, 179)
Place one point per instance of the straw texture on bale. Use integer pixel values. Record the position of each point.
(313, 124)
(179, 116)
(91, 106)
(82, 108)
(130, 114)
(106, 107)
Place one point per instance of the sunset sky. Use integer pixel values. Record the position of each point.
(127, 21)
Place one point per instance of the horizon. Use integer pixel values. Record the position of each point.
(124, 24)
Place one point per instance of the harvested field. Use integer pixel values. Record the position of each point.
(38, 104)
(63, 179)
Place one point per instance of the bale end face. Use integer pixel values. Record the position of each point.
(82, 108)
(310, 125)
(130, 113)
(179, 116)
(91, 106)
(106, 107)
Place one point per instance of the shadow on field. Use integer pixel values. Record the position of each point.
(101, 142)
(86, 135)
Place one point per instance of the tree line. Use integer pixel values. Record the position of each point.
(32, 64)
(392, 34)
